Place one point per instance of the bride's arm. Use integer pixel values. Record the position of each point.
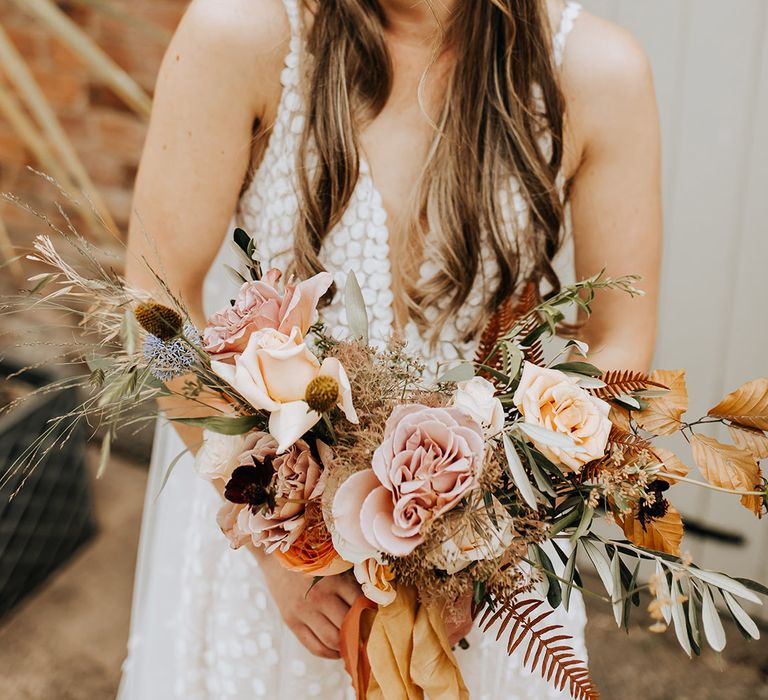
(615, 195)
(219, 77)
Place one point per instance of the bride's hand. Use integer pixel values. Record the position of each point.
(458, 626)
(315, 617)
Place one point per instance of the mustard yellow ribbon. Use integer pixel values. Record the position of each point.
(408, 654)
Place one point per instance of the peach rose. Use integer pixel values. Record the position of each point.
(429, 460)
(273, 373)
(551, 399)
(375, 579)
(260, 305)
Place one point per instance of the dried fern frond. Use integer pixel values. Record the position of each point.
(546, 645)
(509, 312)
(624, 381)
(629, 441)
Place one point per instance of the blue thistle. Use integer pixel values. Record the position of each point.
(171, 358)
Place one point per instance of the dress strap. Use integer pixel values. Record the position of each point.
(293, 10)
(567, 20)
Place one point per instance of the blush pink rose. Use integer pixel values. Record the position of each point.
(262, 305)
(298, 479)
(429, 460)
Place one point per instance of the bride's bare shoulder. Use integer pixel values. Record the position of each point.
(606, 78)
(240, 42)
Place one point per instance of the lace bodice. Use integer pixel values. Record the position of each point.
(203, 624)
(360, 241)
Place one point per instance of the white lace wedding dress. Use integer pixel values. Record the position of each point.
(204, 626)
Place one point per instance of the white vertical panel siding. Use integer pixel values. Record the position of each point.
(710, 62)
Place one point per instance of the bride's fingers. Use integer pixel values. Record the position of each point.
(325, 631)
(346, 588)
(314, 644)
(335, 609)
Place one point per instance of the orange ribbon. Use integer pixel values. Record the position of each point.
(400, 652)
(354, 638)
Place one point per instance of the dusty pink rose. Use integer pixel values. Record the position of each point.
(551, 399)
(298, 478)
(429, 459)
(260, 305)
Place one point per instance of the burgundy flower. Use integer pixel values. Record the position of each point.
(250, 485)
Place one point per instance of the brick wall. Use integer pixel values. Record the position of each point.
(107, 135)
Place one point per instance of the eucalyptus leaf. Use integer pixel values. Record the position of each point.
(694, 633)
(679, 618)
(628, 401)
(584, 368)
(554, 592)
(357, 316)
(234, 274)
(568, 575)
(740, 615)
(224, 425)
(588, 382)
(543, 482)
(663, 592)
(517, 472)
(633, 597)
(547, 437)
(513, 358)
(587, 514)
(242, 240)
(713, 626)
(580, 345)
(459, 373)
(753, 585)
(616, 598)
(725, 583)
(600, 561)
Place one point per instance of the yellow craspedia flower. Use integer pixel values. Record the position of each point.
(161, 321)
(322, 393)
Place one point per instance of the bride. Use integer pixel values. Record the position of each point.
(442, 150)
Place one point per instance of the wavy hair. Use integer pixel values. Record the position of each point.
(502, 97)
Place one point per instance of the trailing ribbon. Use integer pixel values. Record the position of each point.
(354, 636)
(404, 655)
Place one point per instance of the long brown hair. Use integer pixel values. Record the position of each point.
(503, 94)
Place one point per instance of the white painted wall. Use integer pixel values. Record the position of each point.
(710, 60)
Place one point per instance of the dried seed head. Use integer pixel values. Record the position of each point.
(161, 321)
(322, 393)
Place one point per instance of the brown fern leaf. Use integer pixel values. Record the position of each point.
(534, 354)
(491, 333)
(629, 441)
(624, 381)
(546, 646)
(508, 313)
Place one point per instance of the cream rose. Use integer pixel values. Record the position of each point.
(219, 455)
(553, 400)
(477, 398)
(375, 580)
(273, 373)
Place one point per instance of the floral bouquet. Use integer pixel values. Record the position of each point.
(334, 455)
